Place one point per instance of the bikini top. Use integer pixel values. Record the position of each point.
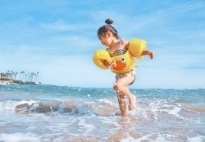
(120, 51)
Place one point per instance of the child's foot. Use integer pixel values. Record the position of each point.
(132, 102)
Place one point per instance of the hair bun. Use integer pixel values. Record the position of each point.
(108, 21)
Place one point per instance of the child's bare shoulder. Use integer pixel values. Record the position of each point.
(125, 44)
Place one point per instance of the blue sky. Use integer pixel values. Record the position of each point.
(57, 38)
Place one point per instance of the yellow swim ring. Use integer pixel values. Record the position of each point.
(99, 56)
(124, 62)
(136, 46)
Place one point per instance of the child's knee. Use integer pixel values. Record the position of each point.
(117, 86)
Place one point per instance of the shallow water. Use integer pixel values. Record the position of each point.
(68, 114)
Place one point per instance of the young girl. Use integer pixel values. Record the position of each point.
(109, 37)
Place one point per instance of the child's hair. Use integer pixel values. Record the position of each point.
(108, 27)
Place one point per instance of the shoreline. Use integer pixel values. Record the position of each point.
(19, 82)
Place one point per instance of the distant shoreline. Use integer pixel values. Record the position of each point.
(20, 82)
(11, 77)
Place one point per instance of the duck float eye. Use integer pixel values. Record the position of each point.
(123, 59)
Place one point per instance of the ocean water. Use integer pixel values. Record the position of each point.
(47, 113)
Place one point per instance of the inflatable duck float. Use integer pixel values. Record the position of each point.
(124, 61)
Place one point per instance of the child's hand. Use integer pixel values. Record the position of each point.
(151, 54)
(109, 64)
(112, 64)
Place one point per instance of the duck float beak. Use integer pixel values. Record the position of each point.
(119, 65)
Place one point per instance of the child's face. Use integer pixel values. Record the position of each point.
(106, 39)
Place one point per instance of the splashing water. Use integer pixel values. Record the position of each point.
(60, 113)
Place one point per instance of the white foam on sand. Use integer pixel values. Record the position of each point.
(11, 105)
(19, 137)
(159, 108)
(174, 111)
(197, 139)
(85, 127)
(154, 137)
(26, 102)
(7, 105)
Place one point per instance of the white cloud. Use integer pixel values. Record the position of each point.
(59, 26)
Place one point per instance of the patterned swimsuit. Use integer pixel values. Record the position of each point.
(132, 72)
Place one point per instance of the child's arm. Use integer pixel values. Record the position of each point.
(149, 53)
(108, 64)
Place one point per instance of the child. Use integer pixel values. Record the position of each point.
(109, 37)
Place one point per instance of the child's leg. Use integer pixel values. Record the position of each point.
(122, 104)
(132, 98)
(122, 90)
